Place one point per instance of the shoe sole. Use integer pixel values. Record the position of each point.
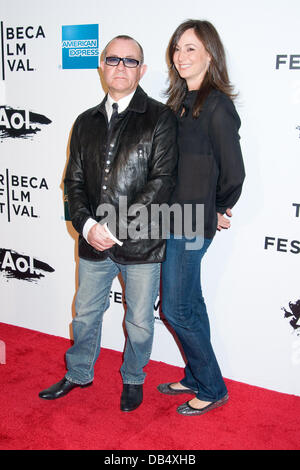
(131, 409)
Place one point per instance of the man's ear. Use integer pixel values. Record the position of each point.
(143, 70)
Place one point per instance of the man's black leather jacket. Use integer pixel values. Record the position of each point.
(136, 160)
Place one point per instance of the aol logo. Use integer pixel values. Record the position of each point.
(19, 264)
(11, 119)
(16, 266)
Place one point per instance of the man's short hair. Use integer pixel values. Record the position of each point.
(128, 38)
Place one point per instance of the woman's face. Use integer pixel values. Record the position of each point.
(191, 59)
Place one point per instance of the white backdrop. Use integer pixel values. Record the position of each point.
(250, 273)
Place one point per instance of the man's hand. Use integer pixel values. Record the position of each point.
(98, 238)
(223, 222)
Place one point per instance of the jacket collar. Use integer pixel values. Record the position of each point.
(137, 104)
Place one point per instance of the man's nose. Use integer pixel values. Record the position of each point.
(121, 65)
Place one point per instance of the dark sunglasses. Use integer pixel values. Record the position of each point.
(114, 61)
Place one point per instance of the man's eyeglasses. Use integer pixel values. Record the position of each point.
(114, 61)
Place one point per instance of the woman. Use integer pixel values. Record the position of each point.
(211, 174)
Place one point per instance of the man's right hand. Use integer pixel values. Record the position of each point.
(98, 238)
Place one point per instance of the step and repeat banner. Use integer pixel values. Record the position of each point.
(49, 74)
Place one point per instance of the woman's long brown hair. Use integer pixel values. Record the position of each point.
(216, 76)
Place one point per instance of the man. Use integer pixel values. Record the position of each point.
(129, 153)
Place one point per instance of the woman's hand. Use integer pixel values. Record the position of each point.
(223, 222)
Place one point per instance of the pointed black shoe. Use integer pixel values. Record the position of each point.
(62, 388)
(132, 397)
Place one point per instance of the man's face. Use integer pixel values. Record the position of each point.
(121, 80)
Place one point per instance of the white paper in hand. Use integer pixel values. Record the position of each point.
(111, 235)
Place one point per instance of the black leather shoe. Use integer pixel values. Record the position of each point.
(132, 397)
(60, 389)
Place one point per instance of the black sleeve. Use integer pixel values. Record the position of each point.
(223, 131)
(75, 186)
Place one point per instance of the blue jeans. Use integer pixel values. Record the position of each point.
(141, 289)
(185, 310)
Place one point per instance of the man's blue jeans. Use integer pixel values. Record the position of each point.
(184, 308)
(141, 289)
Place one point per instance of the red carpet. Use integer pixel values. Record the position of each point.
(253, 419)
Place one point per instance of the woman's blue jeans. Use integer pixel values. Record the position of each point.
(185, 310)
(141, 289)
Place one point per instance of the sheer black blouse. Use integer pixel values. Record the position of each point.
(210, 166)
